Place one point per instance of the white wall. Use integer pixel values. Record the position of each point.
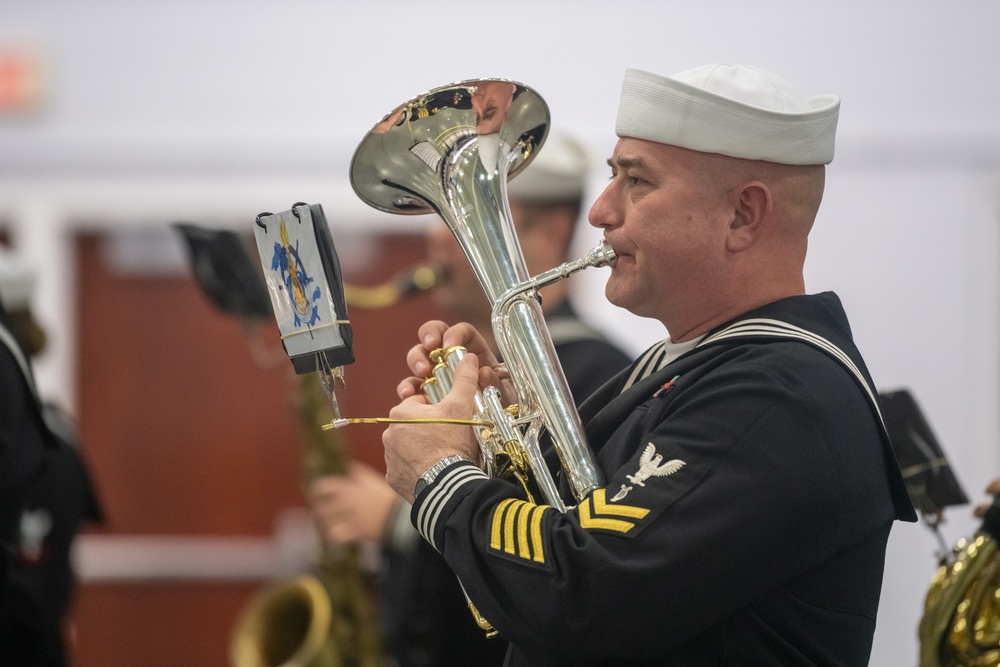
(215, 111)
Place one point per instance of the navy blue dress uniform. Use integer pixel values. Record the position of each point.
(45, 496)
(425, 618)
(750, 492)
(23, 444)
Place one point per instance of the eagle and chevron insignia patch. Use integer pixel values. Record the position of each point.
(516, 525)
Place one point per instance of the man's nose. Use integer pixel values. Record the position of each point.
(604, 212)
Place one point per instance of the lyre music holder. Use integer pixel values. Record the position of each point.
(303, 279)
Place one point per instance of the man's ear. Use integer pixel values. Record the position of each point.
(753, 206)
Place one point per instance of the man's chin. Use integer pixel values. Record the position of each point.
(618, 295)
(614, 295)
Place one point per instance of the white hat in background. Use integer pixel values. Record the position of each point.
(17, 282)
(736, 110)
(558, 173)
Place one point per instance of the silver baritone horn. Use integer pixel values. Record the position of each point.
(451, 151)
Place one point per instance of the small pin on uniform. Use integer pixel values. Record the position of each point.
(666, 387)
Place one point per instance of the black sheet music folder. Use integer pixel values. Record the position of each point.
(930, 480)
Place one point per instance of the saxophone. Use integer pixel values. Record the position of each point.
(326, 620)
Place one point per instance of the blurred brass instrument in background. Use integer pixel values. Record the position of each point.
(326, 620)
(408, 282)
(961, 622)
(322, 620)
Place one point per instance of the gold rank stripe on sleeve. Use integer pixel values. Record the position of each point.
(595, 513)
(517, 529)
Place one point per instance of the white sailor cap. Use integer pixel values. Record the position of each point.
(17, 282)
(558, 173)
(736, 110)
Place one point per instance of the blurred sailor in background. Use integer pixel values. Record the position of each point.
(45, 490)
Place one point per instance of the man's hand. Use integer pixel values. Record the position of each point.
(411, 449)
(436, 335)
(354, 507)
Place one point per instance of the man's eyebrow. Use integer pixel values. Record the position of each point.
(625, 162)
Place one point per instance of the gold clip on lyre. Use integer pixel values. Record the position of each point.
(329, 378)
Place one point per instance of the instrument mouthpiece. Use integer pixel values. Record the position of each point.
(601, 255)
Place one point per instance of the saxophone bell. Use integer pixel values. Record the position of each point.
(287, 624)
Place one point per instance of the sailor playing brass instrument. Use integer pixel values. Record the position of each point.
(743, 485)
